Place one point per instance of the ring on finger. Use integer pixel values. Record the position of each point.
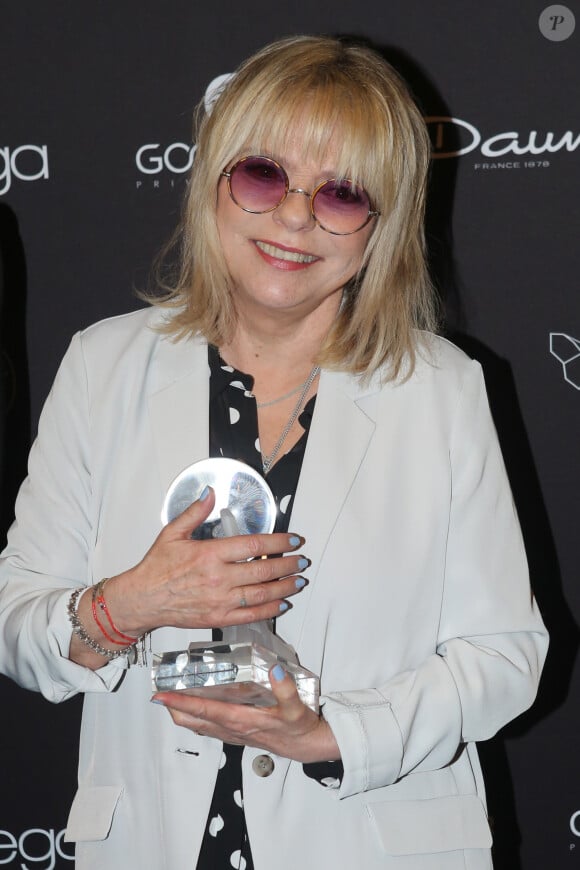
(243, 602)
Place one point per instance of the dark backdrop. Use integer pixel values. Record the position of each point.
(85, 86)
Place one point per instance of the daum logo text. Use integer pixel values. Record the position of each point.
(452, 137)
(26, 163)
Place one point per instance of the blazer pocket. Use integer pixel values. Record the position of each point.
(91, 814)
(442, 824)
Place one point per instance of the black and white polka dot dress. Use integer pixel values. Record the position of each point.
(233, 426)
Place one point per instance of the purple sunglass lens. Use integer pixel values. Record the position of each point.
(258, 184)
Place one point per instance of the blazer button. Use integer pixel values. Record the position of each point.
(263, 765)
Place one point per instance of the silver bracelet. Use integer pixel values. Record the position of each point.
(82, 633)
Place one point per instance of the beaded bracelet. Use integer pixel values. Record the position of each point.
(82, 633)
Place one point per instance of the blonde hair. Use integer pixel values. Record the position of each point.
(383, 145)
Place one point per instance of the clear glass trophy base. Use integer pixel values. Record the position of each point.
(234, 672)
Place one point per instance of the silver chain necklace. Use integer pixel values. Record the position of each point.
(267, 461)
(281, 398)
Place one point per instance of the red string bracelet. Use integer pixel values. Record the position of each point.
(99, 599)
(102, 627)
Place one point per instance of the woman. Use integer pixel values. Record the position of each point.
(303, 281)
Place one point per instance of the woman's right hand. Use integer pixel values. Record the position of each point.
(186, 583)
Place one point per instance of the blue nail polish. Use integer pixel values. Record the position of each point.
(294, 540)
(300, 583)
(157, 701)
(204, 493)
(278, 672)
(302, 563)
(283, 606)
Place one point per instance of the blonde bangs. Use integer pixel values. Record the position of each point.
(312, 113)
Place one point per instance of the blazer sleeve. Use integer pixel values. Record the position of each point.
(49, 547)
(491, 640)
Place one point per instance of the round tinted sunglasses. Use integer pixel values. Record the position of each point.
(260, 184)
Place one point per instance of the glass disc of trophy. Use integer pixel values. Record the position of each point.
(235, 669)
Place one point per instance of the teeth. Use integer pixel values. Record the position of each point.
(280, 254)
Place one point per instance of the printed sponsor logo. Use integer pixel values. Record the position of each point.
(34, 848)
(26, 163)
(167, 163)
(454, 137)
(566, 349)
(177, 157)
(156, 160)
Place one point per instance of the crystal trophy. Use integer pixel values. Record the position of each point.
(235, 669)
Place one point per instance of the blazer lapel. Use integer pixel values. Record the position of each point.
(178, 407)
(342, 427)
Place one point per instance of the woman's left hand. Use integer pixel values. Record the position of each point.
(290, 729)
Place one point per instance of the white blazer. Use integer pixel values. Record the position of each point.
(418, 615)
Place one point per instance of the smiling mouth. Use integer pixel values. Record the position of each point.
(281, 254)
